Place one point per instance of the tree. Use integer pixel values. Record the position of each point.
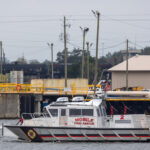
(146, 51)
(21, 60)
(47, 62)
(34, 61)
(75, 56)
(74, 59)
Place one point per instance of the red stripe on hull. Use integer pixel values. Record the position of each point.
(63, 136)
(110, 136)
(143, 136)
(77, 136)
(126, 136)
(93, 136)
(46, 136)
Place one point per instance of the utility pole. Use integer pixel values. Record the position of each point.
(65, 52)
(127, 54)
(97, 15)
(84, 30)
(87, 43)
(1, 51)
(103, 49)
(3, 60)
(52, 60)
(83, 55)
(52, 67)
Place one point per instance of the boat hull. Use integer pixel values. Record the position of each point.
(45, 134)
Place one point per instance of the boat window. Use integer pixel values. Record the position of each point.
(98, 113)
(54, 112)
(45, 113)
(74, 112)
(63, 112)
(87, 112)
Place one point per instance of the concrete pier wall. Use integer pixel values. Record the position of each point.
(9, 106)
(37, 104)
(12, 105)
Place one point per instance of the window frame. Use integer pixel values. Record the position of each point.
(63, 115)
(74, 115)
(79, 112)
(53, 115)
(90, 115)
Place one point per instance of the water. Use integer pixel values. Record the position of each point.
(10, 142)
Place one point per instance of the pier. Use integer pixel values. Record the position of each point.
(28, 98)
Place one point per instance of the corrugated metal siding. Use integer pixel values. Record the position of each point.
(134, 79)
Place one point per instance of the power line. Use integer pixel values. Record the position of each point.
(136, 45)
(24, 21)
(78, 19)
(137, 26)
(116, 45)
(112, 46)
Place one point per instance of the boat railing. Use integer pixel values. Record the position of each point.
(35, 119)
(28, 116)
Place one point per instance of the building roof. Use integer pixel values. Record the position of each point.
(136, 63)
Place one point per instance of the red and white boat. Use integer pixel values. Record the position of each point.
(81, 121)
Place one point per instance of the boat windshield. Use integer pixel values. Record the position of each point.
(54, 112)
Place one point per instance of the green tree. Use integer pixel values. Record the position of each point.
(146, 51)
(34, 61)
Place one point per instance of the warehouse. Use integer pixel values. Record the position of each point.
(138, 73)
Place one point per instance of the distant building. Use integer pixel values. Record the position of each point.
(131, 53)
(16, 77)
(138, 75)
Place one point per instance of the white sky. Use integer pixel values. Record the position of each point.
(27, 25)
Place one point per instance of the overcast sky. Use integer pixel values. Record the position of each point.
(27, 25)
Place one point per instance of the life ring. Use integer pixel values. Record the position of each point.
(18, 87)
(31, 134)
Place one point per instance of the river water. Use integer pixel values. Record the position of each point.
(10, 142)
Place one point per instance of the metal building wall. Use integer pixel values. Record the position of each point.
(136, 78)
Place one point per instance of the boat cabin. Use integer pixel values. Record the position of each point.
(77, 113)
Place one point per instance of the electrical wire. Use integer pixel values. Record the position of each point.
(121, 21)
(136, 45)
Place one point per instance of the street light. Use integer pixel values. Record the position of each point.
(84, 31)
(97, 15)
(51, 46)
(88, 46)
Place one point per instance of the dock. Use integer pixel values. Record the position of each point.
(16, 99)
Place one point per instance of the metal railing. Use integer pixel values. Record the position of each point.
(28, 116)
(40, 89)
(35, 119)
